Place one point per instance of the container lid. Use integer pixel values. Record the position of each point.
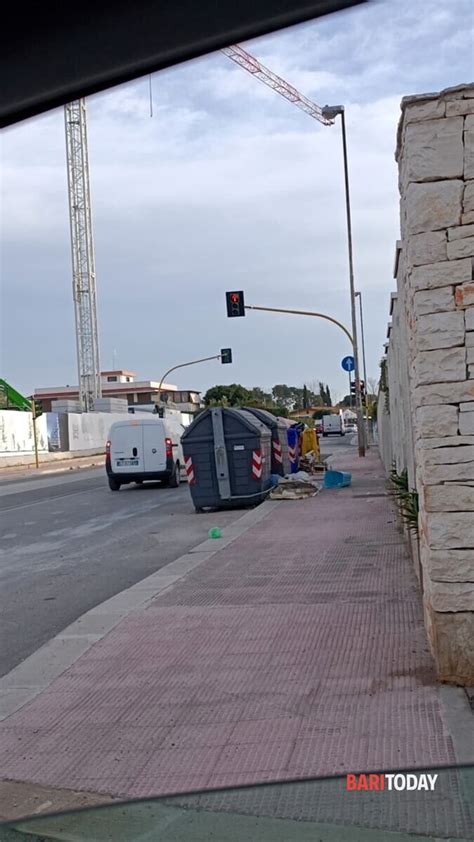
(249, 421)
(263, 415)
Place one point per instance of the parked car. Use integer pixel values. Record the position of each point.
(144, 449)
(318, 426)
(350, 427)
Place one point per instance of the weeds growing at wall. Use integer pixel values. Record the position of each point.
(407, 500)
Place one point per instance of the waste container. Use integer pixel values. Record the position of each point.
(337, 479)
(227, 456)
(293, 448)
(280, 456)
(309, 443)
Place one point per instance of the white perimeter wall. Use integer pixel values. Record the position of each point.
(16, 432)
(85, 432)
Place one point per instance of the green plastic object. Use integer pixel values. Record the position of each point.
(215, 532)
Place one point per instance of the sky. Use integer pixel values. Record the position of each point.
(227, 186)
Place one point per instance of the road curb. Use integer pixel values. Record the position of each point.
(37, 672)
(12, 474)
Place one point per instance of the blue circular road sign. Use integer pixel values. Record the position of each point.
(348, 363)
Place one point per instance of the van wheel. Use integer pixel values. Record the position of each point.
(114, 484)
(198, 510)
(175, 477)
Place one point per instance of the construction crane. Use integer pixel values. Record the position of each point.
(249, 63)
(82, 250)
(82, 242)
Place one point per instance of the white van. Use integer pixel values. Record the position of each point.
(143, 449)
(333, 425)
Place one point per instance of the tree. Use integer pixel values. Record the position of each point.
(275, 410)
(289, 396)
(233, 395)
(258, 395)
(325, 394)
(282, 394)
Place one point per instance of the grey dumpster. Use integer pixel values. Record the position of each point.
(281, 464)
(227, 455)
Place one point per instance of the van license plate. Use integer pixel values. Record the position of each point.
(122, 462)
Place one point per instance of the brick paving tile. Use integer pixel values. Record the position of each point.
(298, 649)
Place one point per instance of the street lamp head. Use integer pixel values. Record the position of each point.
(332, 111)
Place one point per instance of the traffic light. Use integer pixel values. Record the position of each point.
(362, 388)
(226, 355)
(353, 387)
(38, 408)
(235, 304)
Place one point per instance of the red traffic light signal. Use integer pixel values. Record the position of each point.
(235, 303)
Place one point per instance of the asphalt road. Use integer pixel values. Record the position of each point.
(67, 543)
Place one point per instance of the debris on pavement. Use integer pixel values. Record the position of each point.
(337, 479)
(296, 487)
(214, 532)
(311, 463)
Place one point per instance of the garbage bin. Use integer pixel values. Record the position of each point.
(293, 448)
(227, 456)
(280, 456)
(337, 479)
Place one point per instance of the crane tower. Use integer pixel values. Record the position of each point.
(82, 250)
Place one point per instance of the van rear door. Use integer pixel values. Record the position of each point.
(154, 446)
(126, 448)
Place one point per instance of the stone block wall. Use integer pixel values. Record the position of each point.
(430, 357)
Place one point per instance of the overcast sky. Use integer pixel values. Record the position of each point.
(227, 186)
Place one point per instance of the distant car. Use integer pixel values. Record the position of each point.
(318, 427)
(350, 428)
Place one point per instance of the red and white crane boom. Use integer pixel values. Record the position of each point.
(249, 63)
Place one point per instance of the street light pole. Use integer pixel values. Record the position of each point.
(332, 111)
(184, 365)
(303, 313)
(362, 338)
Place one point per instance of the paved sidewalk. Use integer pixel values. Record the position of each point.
(297, 650)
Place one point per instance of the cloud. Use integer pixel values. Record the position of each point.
(227, 186)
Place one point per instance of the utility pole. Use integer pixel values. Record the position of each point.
(359, 296)
(332, 111)
(82, 251)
